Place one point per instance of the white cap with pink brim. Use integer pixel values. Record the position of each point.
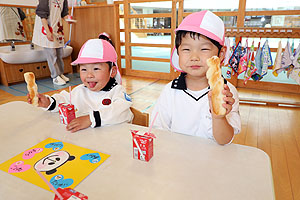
(98, 51)
(205, 23)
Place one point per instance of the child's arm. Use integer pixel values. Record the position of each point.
(222, 131)
(118, 111)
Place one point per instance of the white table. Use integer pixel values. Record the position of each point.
(183, 167)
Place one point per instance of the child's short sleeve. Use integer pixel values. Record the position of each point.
(163, 108)
(234, 118)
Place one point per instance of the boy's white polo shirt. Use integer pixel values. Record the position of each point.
(187, 112)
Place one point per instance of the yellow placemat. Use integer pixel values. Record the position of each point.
(63, 164)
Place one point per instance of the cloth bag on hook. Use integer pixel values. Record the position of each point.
(287, 59)
(243, 59)
(235, 57)
(257, 75)
(228, 51)
(295, 74)
(266, 58)
(277, 62)
(251, 69)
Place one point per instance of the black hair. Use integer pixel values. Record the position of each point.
(104, 37)
(181, 34)
(110, 65)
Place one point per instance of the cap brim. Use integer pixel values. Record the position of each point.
(175, 60)
(88, 60)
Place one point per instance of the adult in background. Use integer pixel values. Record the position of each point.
(48, 33)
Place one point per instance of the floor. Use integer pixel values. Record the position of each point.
(275, 130)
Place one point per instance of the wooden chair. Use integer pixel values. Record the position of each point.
(140, 118)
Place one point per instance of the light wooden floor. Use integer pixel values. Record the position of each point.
(275, 130)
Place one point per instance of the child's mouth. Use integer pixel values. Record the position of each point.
(92, 84)
(195, 66)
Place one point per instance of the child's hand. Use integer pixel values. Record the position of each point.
(79, 123)
(43, 100)
(229, 100)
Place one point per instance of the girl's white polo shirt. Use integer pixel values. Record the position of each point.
(184, 111)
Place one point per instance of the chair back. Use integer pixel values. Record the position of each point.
(140, 118)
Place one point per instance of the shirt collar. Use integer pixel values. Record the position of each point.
(179, 82)
(111, 83)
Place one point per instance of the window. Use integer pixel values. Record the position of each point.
(255, 5)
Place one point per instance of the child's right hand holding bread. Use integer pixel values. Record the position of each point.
(43, 101)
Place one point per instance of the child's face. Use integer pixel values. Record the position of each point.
(194, 53)
(95, 75)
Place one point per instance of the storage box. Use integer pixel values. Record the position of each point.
(142, 146)
(66, 113)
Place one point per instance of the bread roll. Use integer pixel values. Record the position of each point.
(32, 87)
(216, 83)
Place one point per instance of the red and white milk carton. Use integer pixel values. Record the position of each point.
(142, 146)
(68, 193)
(66, 113)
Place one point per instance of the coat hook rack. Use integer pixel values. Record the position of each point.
(262, 32)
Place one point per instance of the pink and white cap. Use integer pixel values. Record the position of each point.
(98, 51)
(204, 22)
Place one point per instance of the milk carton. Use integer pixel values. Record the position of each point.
(68, 193)
(66, 113)
(142, 146)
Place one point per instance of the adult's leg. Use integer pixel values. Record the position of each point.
(51, 59)
(60, 62)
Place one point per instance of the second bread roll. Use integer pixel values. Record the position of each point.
(32, 87)
(216, 83)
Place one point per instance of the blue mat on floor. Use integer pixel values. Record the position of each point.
(44, 85)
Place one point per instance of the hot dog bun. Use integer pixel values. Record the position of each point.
(32, 87)
(216, 83)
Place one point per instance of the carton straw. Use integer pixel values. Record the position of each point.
(149, 131)
(50, 185)
(70, 89)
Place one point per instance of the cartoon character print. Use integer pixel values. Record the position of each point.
(60, 33)
(20, 30)
(51, 162)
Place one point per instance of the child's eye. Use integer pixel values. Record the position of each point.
(205, 49)
(185, 49)
(96, 68)
(83, 70)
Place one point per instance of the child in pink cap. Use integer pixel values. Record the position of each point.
(100, 99)
(184, 104)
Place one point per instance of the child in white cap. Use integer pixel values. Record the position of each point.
(100, 99)
(184, 104)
